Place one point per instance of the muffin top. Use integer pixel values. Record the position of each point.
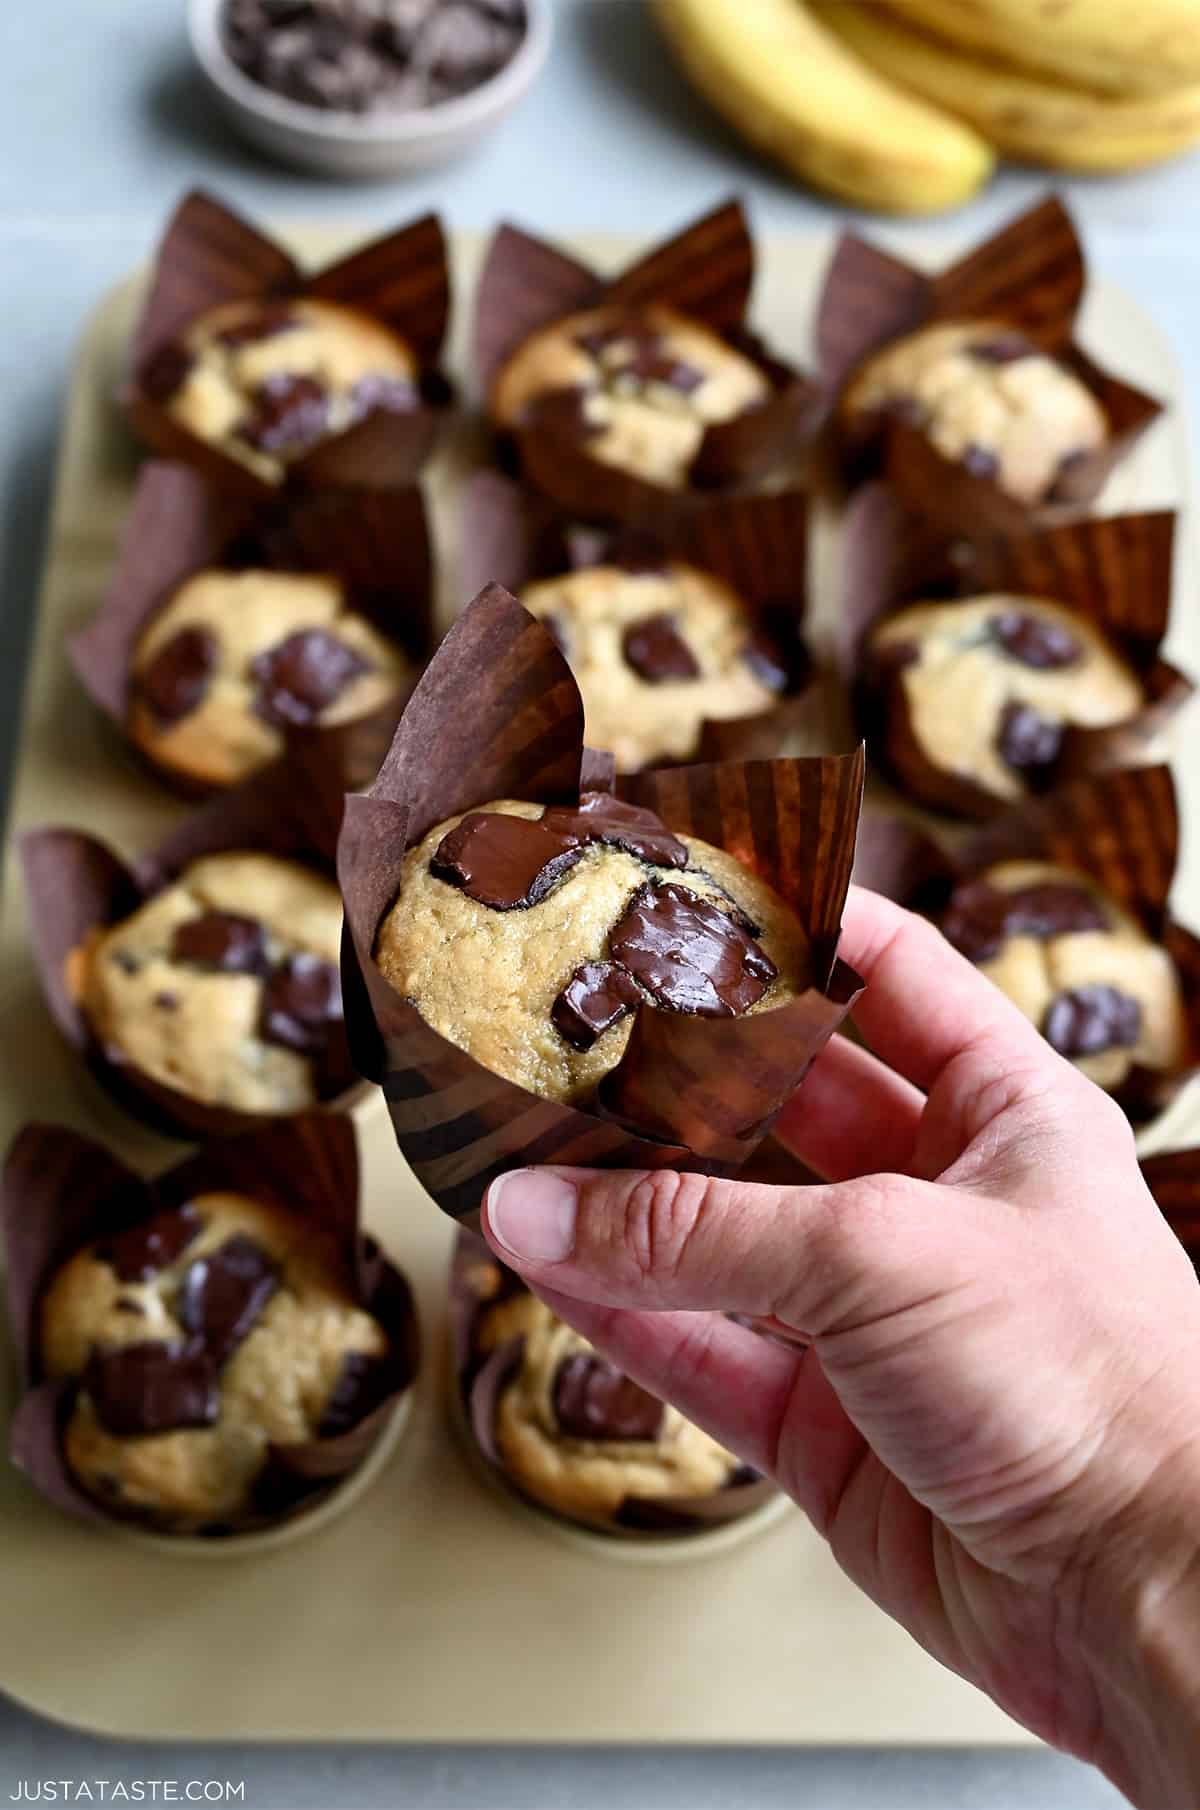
(1082, 969)
(989, 684)
(638, 386)
(528, 936)
(225, 985)
(267, 380)
(234, 659)
(199, 1339)
(987, 399)
(656, 654)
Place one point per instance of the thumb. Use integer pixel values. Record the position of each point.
(812, 1256)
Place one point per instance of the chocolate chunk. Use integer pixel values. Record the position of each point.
(224, 941)
(1035, 640)
(222, 1294)
(363, 1383)
(1005, 349)
(302, 999)
(167, 1002)
(603, 818)
(395, 395)
(126, 961)
(688, 955)
(597, 995)
(266, 323)
(461, 47)
(290, 414)
(980, 461)
(173, 682)
(656, 650)
(1087, 1020)
(141, 1251)
(506, 863)
(302, 675)
(165, 370)
(1027, 740)
(980, 917)
(763, 658)
(152, 1387)
(593, 1400)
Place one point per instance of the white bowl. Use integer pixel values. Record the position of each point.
(371, 144)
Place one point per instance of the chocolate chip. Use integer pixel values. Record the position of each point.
(167, 1002)
(394, 395)
(1005, 349)
(603, 818)
(224, 941)
(302, 675)
(165, 370)
(506, 863)
(980, 917)
(1027, 740)
(656, 650)
(126, 961)
(173, 682)
(763, 659)
(362, 1385)
(595, 998)
(290, 414)
(152, 1388)
(980, 461)
(462, 47)
(222, 1294)
(688, 955)
(265, 323)
(1086, 1020)
(302, 998)
(141, 1251)
(1035, 640)
(593, 1400)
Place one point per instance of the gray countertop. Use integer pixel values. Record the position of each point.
(103, 128)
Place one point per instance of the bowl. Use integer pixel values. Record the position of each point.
(359, 145)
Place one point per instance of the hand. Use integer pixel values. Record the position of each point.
(996, 1423)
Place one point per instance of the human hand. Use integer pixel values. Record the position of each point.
(996, 1423)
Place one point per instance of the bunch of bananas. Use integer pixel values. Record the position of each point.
(902, 105)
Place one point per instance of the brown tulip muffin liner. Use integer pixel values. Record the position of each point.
(1173, 1177)
(61, 1191)
(706, 271)
(1114, 572)
(209, 255)
(757, 545)
(375, 541)
(478, 1282)
(76, 885)
(498, 715)
(1030, 275)
(1120, 829)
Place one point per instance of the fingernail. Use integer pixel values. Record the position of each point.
(532, 1214)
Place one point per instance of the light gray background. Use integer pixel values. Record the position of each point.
(102, 128)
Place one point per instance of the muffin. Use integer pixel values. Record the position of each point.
(224, 985)
(528, 936)
(986, 398)
(234, 659)
(265, 381)
(199, 1340)
(981, 692)
(656, 654)
(1084, 971)
(639, 386)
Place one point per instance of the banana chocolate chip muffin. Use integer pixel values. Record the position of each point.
(266, 381)
(236, 658)
(656, 653)
(528, 935)
(983, 690)
(199, 1340)
(225, 985)
(638, 386)
(986, 398)
(1080, 968)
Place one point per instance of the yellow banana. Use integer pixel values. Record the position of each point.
(1028, 117)
(1112, 46)
(791, 88)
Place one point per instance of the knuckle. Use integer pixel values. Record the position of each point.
(658, 1224)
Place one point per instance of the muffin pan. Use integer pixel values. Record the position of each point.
(428, 1610)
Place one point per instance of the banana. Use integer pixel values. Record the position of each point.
(1027, 117)
(1113, 46)
(792, 89)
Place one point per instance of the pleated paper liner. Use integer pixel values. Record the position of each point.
(1113, 572)
(1120, 829)
(209, 256)
(757, 545)
(1031, 276)
(376, 542)
(706, 271)
(1173, 1177)
(477, 1282)
(75, 885)
(498, 715)
(62, 1191)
